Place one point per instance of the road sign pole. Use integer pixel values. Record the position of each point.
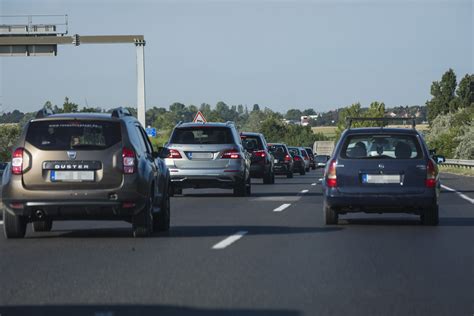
(141, 107)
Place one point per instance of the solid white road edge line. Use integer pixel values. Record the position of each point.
(229, 240)
(281, 207)
(463, 196)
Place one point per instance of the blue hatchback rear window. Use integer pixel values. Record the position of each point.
(381, 146)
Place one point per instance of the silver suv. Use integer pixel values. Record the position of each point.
(208, 155)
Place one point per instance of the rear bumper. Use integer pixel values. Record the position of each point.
(211, 178)
(66, 210)
(74, 204)
(257, 170)
(282, 168)
(299, 166)
(382, 203)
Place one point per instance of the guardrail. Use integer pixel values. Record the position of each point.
(463, 163)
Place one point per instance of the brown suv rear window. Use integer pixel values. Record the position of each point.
(73, 134)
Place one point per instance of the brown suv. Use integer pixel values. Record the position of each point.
(85, 166)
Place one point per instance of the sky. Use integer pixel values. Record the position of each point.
(281, 54)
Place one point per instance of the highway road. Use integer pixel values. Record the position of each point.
(267, 254)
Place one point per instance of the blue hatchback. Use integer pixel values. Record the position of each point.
(381, 170)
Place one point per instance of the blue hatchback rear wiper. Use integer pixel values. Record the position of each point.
(380, 157)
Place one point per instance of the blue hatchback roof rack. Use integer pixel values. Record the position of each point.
(349, 120)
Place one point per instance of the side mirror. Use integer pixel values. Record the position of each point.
(439, 159)
(162, 153)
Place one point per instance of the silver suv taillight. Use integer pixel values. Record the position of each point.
(231, 154)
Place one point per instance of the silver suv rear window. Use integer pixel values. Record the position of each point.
(73, 134)
(381, 146)
(202, 135)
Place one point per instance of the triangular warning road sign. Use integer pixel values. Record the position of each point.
(199, 118)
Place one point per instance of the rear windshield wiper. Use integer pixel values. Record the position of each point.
(86, 146)
(379, 157)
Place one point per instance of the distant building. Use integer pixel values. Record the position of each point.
(304, 120)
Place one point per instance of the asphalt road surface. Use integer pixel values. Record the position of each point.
(267, 254)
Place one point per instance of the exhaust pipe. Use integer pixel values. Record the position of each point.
(39, 214)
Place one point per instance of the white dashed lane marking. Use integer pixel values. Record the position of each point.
(1, 222)
(313, 184)
(463, 196)
(304, 191)
(229, 240)
(281, 207)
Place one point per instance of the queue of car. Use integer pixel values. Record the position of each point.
(77, 166)
(96, 166)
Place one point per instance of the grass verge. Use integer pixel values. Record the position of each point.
(456, 170)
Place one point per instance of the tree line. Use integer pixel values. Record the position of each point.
(449, 113)
(451, 116)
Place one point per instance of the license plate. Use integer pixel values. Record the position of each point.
(200, 155)
(381, 178)
(72, 176)
(275, 161)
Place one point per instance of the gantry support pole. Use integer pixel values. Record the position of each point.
(77, 40)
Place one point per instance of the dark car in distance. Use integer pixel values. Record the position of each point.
(85, 166)
(381, 170)
(261, 160)
(284, 163)
(298, 159)
(312, 162)
(321, 160)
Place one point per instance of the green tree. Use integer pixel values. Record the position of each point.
(309, 112)
(9, 134)
(443, 93)
(69, 107)
(293, 115)
(465, 91)
(355, 110)
(48, 105)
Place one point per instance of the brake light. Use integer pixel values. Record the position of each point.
(431, 174)
(128, 159)
(331, 178)
(17, 161)
(260, 153)
(287, 158)
(297, 158)
(173, 153)
(231, 154)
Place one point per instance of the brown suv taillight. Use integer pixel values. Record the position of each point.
(431, 174)
(17, 161)
(128, 158)
(331, 177)
(231, 154)
(173, 153)
(287, 158)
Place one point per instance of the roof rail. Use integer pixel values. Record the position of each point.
(121, 112)
(349, 120)
(44, 112)
(229, 123)
(179, 123)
